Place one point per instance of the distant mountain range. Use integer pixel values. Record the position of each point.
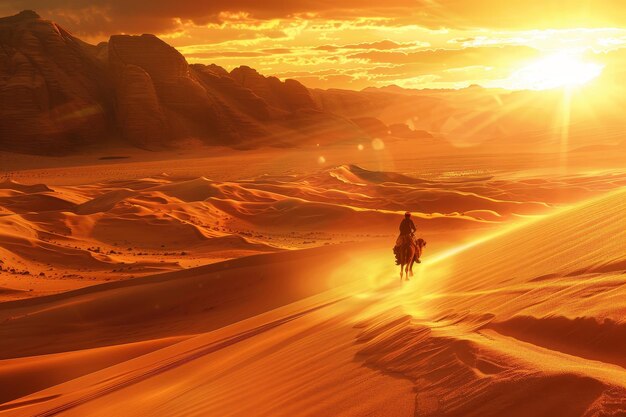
(59, 95)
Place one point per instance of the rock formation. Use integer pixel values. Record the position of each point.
(53, 94)
(372, 126)
(58, 94)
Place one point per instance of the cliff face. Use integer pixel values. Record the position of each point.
(290, 95)
(139, 114)
(58, 93)
(53, 94)
(152, 85)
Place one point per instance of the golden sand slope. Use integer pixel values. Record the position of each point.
(528, 323)
(69, 328)
(525, 323)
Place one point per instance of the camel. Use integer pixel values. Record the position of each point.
(408, 255)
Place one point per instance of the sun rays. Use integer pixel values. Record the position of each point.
(562, 69)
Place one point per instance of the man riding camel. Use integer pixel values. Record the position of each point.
(408, 249)
(407, 228)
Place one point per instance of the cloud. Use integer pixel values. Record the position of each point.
(225, 54)
(450, 58)
(532, 14)
(93, 17)
(379, 45)
(355, 42)
(337, 80)
(277, 51)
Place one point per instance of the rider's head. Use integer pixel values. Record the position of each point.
(407, 215)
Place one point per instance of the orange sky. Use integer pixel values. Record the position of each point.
(359, 43)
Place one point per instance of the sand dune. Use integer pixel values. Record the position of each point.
(529, 318)
(139, 295)
(16, 186)
(55, 237)
(154, 309)
(24, 375)
(527, 321)
(165, 304)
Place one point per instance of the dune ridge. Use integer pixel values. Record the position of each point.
(476, 334)
(54, 237)
(138, 91)
(485, 334)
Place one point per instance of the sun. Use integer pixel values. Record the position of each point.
(563, 69)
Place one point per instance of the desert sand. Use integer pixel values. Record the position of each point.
(152, 287)
(179, 238)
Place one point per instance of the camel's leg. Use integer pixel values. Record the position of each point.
(410, 263)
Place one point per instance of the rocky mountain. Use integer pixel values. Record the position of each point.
(490, 119)
(53, 91)
(59, 94)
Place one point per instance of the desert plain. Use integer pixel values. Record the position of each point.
(197, 286)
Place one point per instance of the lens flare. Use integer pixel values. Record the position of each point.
(378, 144)
(564, 69)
